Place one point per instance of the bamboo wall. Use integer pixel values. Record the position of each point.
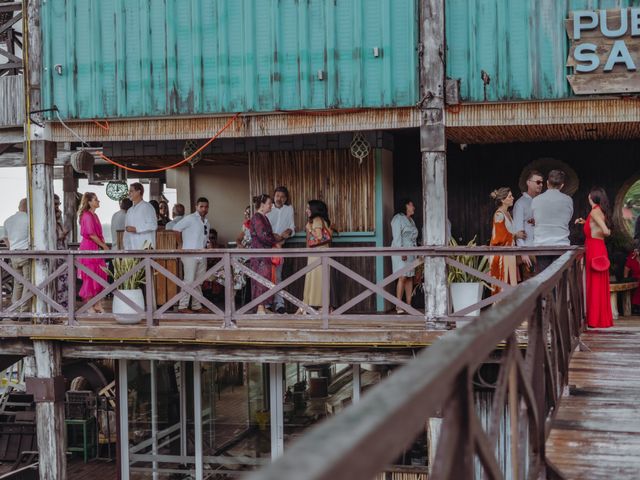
(334, 176)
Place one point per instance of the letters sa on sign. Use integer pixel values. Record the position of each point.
(605, 51)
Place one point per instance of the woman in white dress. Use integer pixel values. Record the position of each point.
(405, 234)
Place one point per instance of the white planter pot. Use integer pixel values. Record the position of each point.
(124, 313)
(465, 294)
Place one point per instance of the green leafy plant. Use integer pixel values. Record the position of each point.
(477, 262)
(121, 266)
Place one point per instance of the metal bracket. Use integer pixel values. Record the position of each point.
(46, 390)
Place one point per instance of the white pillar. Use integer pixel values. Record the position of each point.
(197, 418)
(276, 410)
(123, 405)
(183, 409)
(154, 418)
(356, 382)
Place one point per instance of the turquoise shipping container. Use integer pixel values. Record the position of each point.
(521, 45)
(142, 58)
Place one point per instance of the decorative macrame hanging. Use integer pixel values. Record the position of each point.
(191, 146)
(359, 147)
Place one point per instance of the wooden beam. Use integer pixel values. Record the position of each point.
(434, 158)
(50, 415)
(262, 354)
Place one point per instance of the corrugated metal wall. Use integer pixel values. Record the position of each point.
(126, 58)
(521, 44)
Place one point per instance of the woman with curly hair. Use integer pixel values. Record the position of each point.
(503, 234)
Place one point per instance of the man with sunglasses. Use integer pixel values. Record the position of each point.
(523, 219)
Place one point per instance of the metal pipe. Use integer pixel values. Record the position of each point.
(123, 404)
(197, 418)
(154, 419)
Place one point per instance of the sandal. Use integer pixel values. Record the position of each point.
(399, 311)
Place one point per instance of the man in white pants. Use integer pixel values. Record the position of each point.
(194, 229)
(16, 228)
(282, 221)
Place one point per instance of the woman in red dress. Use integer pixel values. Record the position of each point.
(597, 261)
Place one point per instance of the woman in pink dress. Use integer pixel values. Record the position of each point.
(92, 239)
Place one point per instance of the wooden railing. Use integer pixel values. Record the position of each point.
(228, 262)
(10, 39)
(11, 101)
(368, 436)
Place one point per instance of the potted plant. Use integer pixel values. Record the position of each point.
(465, 288)
(130, 288)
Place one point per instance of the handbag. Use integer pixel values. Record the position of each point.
(600, 264)
(323, 240)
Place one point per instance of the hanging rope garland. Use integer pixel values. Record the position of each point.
(155, 170)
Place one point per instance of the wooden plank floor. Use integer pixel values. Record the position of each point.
(596, 433)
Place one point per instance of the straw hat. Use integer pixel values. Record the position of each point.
(544, 165)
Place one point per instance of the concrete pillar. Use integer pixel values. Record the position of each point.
(180, 179)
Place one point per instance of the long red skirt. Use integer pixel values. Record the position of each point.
(598, 296)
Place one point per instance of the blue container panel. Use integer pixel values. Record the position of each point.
(130, 58)
(520, 44)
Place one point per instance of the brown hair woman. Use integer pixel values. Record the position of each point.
(503, 234)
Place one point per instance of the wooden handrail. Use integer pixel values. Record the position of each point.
(229, 260)
(366, 437)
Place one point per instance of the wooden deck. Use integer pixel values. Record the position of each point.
(287, 331)
(596, 433)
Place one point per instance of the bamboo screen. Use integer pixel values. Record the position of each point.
(333, 176)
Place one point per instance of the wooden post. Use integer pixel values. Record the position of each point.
(433, 146)
(48, 390)
(155, 189)
(70, 209)
(48, 384)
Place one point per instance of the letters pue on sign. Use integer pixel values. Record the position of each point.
(587, 53)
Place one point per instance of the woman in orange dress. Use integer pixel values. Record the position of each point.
(503, 234)
(597, 263)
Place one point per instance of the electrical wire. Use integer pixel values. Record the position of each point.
(153, 170)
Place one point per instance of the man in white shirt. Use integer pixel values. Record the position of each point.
(194, 229)
(141, 221)
(523, 217)
(16, 228)
(118, 221)
(282, 222)
(552, 212)
(177, 212)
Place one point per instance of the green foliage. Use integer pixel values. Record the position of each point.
(632, 201)
(477, 262)
(121, 266)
